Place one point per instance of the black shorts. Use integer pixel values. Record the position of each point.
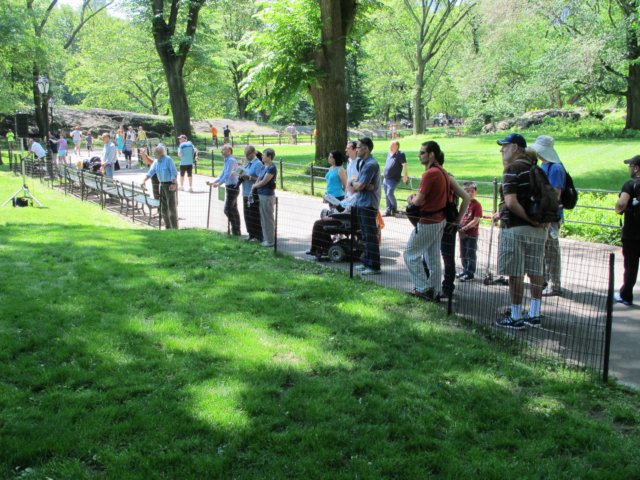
(186, 168)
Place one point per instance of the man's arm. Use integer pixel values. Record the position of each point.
(464, 196)
(514, 206)
(623, 201)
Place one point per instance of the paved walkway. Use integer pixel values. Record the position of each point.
(585, 264)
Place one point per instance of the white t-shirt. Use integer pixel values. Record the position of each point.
(38, 150)
(76, 135)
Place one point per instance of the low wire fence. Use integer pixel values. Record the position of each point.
(576, 326)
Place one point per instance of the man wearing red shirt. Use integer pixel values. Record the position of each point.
(425, 239)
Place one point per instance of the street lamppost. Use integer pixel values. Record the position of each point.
(43, 88)
(51, 113)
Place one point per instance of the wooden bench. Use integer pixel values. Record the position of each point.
(136, 198)
(110, 191)
(91, 183)
(74, 179)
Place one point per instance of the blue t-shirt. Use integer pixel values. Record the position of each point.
(164, 168)
(334, 184)
(252, 169)
(557, 178)
(369, 174)
(269, 188)
(186, 153)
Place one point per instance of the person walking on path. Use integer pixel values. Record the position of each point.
(266, 188)
(76, 137)
(395, 169)
(521, 246)
(557, 176)
(167, 175)
(214, 136)
(426, 237)
(109, 155)
(229, 178)
(367, 203)
(250, 200)
(227, 134)
(186, 153)
(629, 204)
(89, 140)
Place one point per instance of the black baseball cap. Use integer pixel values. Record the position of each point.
(633, 161)
(514, 138)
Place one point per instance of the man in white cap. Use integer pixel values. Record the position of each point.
(557, 176)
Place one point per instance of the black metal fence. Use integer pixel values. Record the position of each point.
(575, 329)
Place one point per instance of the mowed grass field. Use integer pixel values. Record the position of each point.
(131, 353)
(593, 164)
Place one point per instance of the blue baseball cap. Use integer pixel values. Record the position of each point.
(514, 138)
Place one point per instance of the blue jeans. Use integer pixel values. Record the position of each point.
(108, 171)
(468, 254)
(369, 230)
(389, 193)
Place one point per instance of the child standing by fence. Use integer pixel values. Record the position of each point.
(469, 234)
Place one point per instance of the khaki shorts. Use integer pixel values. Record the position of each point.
(521, 251)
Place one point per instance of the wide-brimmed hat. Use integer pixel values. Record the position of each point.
(543, 146)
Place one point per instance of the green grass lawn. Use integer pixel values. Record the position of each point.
(133, 353)
(593, 164)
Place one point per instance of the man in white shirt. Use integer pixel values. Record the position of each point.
(109, 155)
(76, 136)
(36, 149)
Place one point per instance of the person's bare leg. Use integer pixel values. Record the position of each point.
(516, 290)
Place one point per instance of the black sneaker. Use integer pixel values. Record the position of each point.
(532, 321)
(508, 322)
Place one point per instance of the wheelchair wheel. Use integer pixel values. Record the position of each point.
(336, 253)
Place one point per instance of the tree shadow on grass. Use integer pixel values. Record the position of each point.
(146, 354)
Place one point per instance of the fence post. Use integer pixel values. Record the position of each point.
(281, 175)
(213, 170)
(1, 162)
(312, 186)
(607, 333)
(232, 142)
(263, 140)
(279, 139)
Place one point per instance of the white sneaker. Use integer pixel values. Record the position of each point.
(266, 244)
(360, 268)
(369, 271)
(190, 190)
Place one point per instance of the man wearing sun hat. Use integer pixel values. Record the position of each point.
(557, 175)
(629, 204)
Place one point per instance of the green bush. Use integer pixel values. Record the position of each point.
(588, 127)
(606, 231)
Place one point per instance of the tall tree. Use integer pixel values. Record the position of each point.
(173, 48)
(39, 19)
(304, 49)
(434, 20)
(617, 23)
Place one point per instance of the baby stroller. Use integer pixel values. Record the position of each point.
(338, 229)
(93, 165)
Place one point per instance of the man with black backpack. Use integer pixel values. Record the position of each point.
(629, 204)
(557, 176)
(521, 247)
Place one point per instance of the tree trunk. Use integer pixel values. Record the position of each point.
(329, 93)
(418, 110)
(633, 98)
(178, 98)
